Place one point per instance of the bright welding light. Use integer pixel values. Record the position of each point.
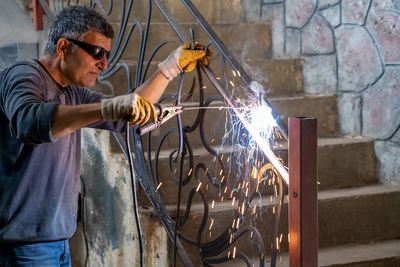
(261, 121)
(260, 124)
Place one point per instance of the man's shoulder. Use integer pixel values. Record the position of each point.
(22, 67)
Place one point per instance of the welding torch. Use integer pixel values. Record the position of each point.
(164, 113)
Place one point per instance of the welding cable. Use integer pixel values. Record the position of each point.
(83, 218)
(134, 193)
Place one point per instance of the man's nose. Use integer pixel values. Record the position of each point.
(103, 64)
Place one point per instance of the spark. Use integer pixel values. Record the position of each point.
(234, 252)
(231, 83)
(190, 172)
(211, 224)
(233, 201)
(158, 187)
(198, 187)
(212, 204)
(260, 126)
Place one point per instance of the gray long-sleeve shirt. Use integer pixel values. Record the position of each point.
(39, 175)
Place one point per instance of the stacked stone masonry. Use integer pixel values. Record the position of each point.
(350, 49)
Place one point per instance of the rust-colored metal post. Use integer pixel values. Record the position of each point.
(303, 203)
(38, 13)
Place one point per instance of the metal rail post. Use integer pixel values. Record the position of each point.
(38, 13)
(303, 205)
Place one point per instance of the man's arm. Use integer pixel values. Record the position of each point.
(68, 119)
(71, 118)
(153, 88)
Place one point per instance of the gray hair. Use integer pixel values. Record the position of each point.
(74, 21)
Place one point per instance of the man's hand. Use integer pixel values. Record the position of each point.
(183, 59)
(132, 108)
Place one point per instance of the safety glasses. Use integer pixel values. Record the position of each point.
(96, 52)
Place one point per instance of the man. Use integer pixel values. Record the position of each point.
(43, 105)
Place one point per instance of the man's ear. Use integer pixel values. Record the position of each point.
(62, 47)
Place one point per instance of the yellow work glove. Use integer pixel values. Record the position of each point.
(131, 107)
(183, 59)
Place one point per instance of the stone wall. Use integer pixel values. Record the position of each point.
(350, 48)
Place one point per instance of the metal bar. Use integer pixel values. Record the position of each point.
(229, 57)
(303, 205)
(171, 20)
(38, 13)
(47, 9)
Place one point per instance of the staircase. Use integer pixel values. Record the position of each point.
(359, 218)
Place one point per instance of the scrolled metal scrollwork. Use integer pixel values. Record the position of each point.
(236, 166)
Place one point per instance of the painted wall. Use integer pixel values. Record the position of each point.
(350, 48)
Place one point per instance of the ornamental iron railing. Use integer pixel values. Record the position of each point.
(227, 152)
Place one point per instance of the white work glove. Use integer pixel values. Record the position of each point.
(131, 107)
(182, 59)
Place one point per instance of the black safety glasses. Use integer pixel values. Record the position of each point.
(97, 52)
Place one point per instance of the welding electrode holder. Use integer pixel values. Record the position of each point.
(163, 114)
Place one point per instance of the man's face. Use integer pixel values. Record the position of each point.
(79, 67)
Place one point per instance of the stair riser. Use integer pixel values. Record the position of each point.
(346, 165)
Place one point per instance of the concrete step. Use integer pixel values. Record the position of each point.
(342, 162)
(345, 216)
(377, 254)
